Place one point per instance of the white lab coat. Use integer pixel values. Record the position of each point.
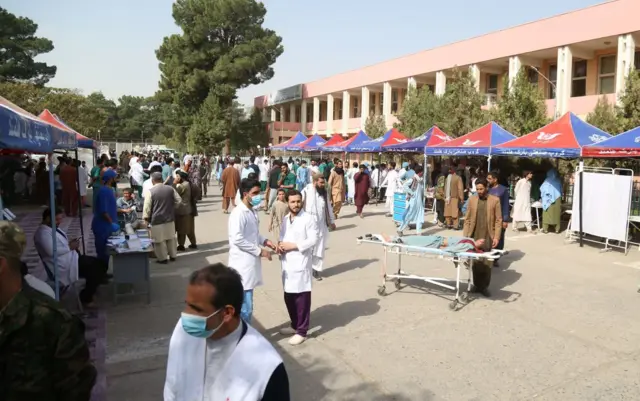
(245, 375)
(315, 205)
(83, 178)
(264, 172)
(522, 205)
(245, 244)
(296, 265)
(137, 174)
(390, 182)
(67, 259)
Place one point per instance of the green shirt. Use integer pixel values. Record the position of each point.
(290, 179)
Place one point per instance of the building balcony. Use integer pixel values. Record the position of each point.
(584, 105)
(285, 126)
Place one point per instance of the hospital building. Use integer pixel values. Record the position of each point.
(575, 58)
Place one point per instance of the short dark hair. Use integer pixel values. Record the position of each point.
(252, 176)
(46, 213)
(127, 191)
(227, 283)
(155, 169)
(482, 181)
(418, 169)
(252, 159)
(494, 174)
(392, 164)
(292, 192)
(284, 191)
(247, 185)
(168, 160)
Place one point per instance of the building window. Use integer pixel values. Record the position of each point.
(323, 111)
(298, 113)
(355, 101)
(532, 76)
(492, 84)
(287, 114)
(372, 104)
(636, 60)
(607, 75)
(394, 100)
(431, 88)
(337, 107)
(579, 81)
(277, 115)
(309, 113)
(553, 81)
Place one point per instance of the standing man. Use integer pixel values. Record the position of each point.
(205, 175)
(502, 193)
(302, 176)
(159, 212)
(453, 199)
(43, 351)
(362, 182)
(483, 221)
(230, 182)
(70, 192)
(314, 167)
(337, 185)
(137, 174)
(272, 190)
(264, 175)
(438, 196)
(390, 185)
(314, 198)
(254, 166)
(82, 173)
(414, 212)
(297, 239)
(287, 179)
(215, 355)
(522, 205)
(245, 243)
(105, 215)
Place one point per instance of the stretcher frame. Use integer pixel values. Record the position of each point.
(461, 260)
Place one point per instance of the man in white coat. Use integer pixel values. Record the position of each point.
(522, 204)
(314, 198)
(391, 183)
(245, 243)
(216, 356)
(297, 238)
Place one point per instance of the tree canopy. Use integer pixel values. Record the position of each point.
(18, 48)
(420, 111)
(375, 126)
(460, 107)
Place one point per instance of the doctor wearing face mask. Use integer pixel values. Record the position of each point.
(214, 355)
(245, 243)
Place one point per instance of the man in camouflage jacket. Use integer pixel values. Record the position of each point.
(43, 352)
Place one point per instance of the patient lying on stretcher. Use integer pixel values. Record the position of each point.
(448, 244)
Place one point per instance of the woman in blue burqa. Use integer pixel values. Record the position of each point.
(414, 213)
(551, 196)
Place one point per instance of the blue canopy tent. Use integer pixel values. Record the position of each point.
(21, 130)
(312, 143)
(626, 144)
(433, 137)
(391, 137)
(479, 142)
(299, 137)
(347, 146)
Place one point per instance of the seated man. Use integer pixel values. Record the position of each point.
(71, 265)
(128, 211)
(449, 244)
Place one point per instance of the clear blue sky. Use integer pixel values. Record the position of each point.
(109, 46)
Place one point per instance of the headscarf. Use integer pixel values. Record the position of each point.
(551, 189)
(405, 165)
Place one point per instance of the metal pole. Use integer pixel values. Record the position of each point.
(580, 200)
(80, 202)
(54, 232)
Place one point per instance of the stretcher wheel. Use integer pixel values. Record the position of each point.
(453, 305)
(398, 284)
(464, 297)
(382, 291)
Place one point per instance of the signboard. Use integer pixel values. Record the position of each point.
(285, 95)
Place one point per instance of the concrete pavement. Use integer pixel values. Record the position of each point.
(561, 325)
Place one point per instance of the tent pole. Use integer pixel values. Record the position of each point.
(80, 205)
(54, 232)
(581, 175)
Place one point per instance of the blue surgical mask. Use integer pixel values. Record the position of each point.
(256, 200)
(196, 325)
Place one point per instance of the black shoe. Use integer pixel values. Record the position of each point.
(180, 248)
(485, 293)
(162, 262)
(495, 263)
(193, 246)
(317, 276)
(172, 259)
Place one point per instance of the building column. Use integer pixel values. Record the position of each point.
(346, 111)
(292, 113)
(386, 102)
(329, 114)
(626, 61)
(474, 72)
(303, 116)
(441, 83)
(316, 113)
(563, 83)
(411, 83)
(364, 106)
(515, 64)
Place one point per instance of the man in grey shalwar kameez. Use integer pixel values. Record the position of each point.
(314, 197)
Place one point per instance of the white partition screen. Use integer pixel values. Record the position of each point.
(606, 200)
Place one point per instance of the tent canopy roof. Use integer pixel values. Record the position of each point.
(433, 137)
(478, 142)
(391, 137)
(299, 137)
(626, 144)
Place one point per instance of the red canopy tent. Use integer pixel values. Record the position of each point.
(52, 119)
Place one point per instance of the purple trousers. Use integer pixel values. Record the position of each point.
(299, 308)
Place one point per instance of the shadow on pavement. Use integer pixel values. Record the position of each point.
(346, 266)
(313, 378)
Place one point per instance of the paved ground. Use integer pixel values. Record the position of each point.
(562, 324)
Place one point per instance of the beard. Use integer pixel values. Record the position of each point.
(321, 191)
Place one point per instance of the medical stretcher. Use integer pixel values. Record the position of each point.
(461, 261)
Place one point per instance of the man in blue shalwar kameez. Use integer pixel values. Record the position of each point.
(414, 213)
(105, 215)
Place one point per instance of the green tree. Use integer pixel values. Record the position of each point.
(209, 125)
(606, 117)
(18, 49)
(249, 131)
(223, 47)
(629, 102)
(460, 108)
(522, 108)
(375, 126)
(420, 111)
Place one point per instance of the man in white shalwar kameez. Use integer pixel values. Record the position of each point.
(314, 198)
(522, 205)
(297, 239)
(391, 183)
